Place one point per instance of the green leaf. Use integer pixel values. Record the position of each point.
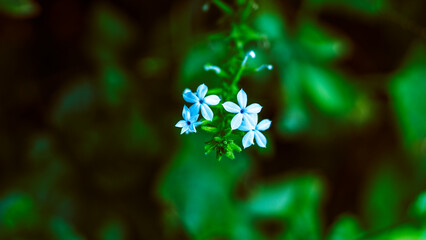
(366, 6)
(319, 44)
(407, 89)
(215, 91)
(62, 229)
(110, 28)
(245, 34)
(223, 6)
(401, 232)
(199, 192)
(230, 154)
(346, 227)
(295, 200)
(77, 101)
(295, 118)
(271, 24)
(19, 8)
(418, 209)
(209, 147)
(210, 129)
(234, 147)
(384, 197)
(112, 230)
(218, 139)
(328, 90)
(139, 135)
(115, 84)
(17, 212)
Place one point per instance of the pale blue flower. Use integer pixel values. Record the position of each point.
(242, 111)
(254, 129)
(189, 123)
(201, 101)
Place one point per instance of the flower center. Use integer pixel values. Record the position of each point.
(188, 122)
(201, 101)
(242, 111)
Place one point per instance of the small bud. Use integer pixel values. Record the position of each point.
(251, 54)
(269, 67)
(208, 67)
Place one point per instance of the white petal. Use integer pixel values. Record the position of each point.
(231, 107)
(185, 113)
(206, 112)
(260, 139)
(194, 118)
(194, 109)
(236, 121)
(192, 128)
(254, 108)
(186, 90)
(201, 91)
(264, 125)
(190, 97)
(212, 100)
(251, 118)
(181, 123)
(245, 126)
(248, 139)
(184, 129)
(196, 124)
(242, 98)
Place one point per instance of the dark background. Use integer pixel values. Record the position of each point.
(91, 91)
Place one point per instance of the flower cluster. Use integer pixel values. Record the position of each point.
(246, 119)
(200, 102)
(222, 121)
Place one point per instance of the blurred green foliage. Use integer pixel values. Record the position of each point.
(367, 6)
(409, 99)
(19, 8)
(17, 211)
(345, 227)
(216, 210)
(91, 90)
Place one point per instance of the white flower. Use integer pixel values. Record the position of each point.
(190, 121)
(241, 111)
(254, 132)
(201, 101)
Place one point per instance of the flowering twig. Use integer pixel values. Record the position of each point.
(229, 121)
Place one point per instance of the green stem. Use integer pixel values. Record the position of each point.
(225, 7)
(237, 77)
